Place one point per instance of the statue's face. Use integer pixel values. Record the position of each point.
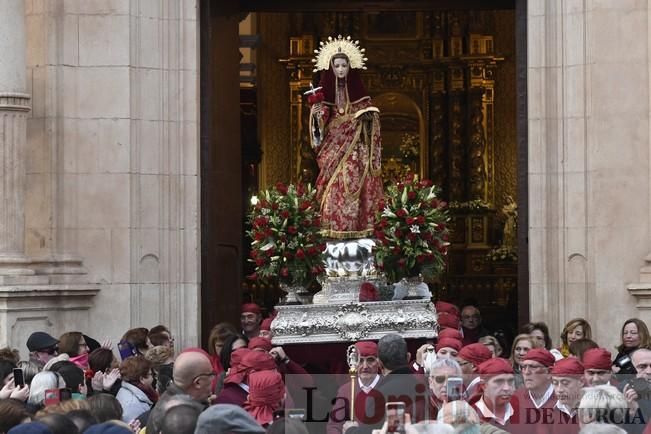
(340, 67)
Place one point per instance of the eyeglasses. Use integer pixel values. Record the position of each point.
(470, 316)
(440, 379)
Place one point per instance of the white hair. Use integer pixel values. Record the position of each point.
(601, 428)
(602, 403)
(445, 363)
(41, 382)
(433, 427)
(458, 413)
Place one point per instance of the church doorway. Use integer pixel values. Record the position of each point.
(450, 79)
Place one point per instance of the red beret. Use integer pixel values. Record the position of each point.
(445, 307)
(495, 366)
(260, 343)
(237, 372)
(568, 367)
(597, 358)
(251, 308)
(366, 348)
(448, 343)
(475, 353)
(542, 356)
(447, 320)
(451, 333)
(266, 324)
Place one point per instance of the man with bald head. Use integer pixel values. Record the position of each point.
(639, 404)
(192, 376)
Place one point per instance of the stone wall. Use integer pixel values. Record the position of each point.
(589, 185)
(112, 173)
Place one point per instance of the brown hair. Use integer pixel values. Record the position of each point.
(137, 337)
(101, 359)
(580, 346)
(10, 354)
(64, 407)
(133, 368)
(13, 413)
(518, 338)
(69, 343)
(642, 330)
(218, 334)
(158, 355)
(528, 328)
(491, 340)
(574, 323)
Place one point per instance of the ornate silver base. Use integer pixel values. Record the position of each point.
(353, 321)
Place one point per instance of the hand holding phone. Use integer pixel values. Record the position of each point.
(395, 412)
(19, 377)
(454, 389)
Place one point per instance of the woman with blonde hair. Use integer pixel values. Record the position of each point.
(522, 344)
(575, 329)
(492, 344)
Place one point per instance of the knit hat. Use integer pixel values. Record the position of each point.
(455, 344)
(475, 353)
(568, 367)
(597, 358)
(540, 355)
(227, 418)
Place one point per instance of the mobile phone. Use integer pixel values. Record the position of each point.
(395, 412)
(295, 413)
(19, 377)
(65, 394)
(454, 388)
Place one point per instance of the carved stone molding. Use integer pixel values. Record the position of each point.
(354, 321)
(14, 101)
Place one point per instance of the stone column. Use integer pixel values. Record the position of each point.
(13, 137)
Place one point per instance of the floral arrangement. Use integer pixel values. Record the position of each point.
(287, 245)
(411, 229)
(502, 254)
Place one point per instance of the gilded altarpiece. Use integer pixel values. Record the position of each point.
(436, 78)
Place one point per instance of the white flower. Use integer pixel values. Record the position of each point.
(387, 212)
(414, 229)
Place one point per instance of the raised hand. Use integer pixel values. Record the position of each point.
(20, 393)
(97, 381)
(110, 378)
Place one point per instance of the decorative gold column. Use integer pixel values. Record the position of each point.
(14, 106)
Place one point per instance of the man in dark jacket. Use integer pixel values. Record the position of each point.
(398, 384)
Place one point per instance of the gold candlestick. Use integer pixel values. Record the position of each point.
(352, 358)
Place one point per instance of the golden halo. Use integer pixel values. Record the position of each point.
(336, 45)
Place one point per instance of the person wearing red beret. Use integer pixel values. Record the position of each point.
(266, 395)
(537, 398)
(265, 328)
(451, 333)
(243, 362)
(469, 358)
(598, 366)
(448, 321)
(250, 320)
(368, 376)
(567, 379)
(447, 348)
(445, 307)
(496, 405)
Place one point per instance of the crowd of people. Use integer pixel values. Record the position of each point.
(464, 381)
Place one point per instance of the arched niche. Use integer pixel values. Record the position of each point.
(404, 141)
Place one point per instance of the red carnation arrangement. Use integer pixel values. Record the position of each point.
(287, 245)
(411, 229)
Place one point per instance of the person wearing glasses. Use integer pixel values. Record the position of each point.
(537, 398)
(471, 325)
(137, 394)
(368, 376)
(440, 372)
(74, 345)
(42, 348)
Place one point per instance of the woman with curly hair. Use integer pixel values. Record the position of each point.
(575, 329)
(137, 394)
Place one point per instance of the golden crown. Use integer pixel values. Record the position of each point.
(337, 45)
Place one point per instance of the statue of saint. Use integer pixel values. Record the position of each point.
(510, 210)
(345, 132)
